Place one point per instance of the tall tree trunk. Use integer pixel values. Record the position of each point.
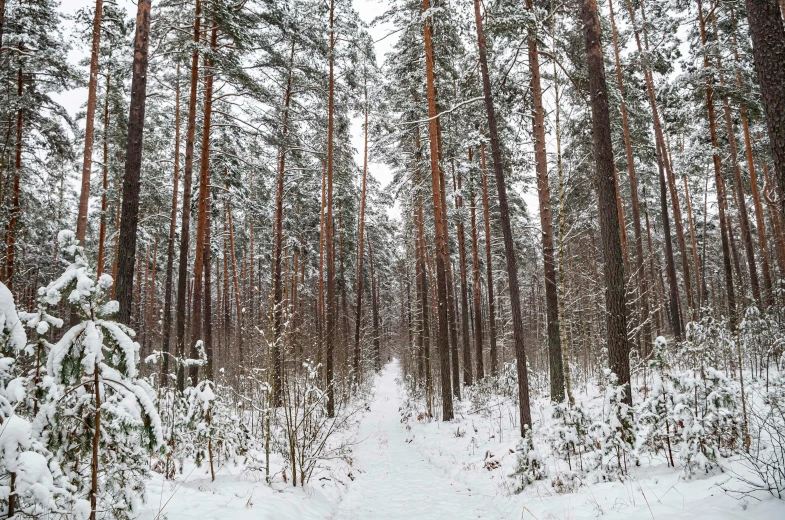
(442, 256)
(185, 230)
(329, 228)
(670, 268)
(760, 221)
(693, 242)
(489, 266)
(204, 203)
(721, 196)
(546, 223)
(92, 87)
(422, 287)
(640, 270)
(377, 361)
(663, 159)
(278, 240)
(167, 318)
(744, 219)
(104, 185)
(129, 219)
(618, 347)
(467, 356)
(768, 46)
(476, 282)
(13, 217)
(360, 237)
(207, 327)
(509, 246)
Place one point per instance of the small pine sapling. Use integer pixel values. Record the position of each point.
(569, 441)
(656, 426)
(615, 434)
(530, 465)
(31, 482)
(105, 425)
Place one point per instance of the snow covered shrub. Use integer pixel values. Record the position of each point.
(614, 435)
(217, 433)
(105, 425)
(570, 442)
(707, 410)
(656, 425)
(31, 482)
(709, 342)
(529, 463)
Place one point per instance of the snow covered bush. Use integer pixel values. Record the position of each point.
(31, 483)
(569, 437)
(707, 409)
(105, 425)
(614, 435)
(656, 424)
(529, 462)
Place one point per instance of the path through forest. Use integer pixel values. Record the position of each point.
(394, 480)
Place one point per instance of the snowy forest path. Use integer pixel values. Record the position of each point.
(395, 481)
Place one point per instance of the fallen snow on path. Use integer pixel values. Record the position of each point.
(396, 480)
(406, 467)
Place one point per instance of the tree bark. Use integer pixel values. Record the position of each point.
(329, 228)
(768, 46)
(509, 246)
(92, 87)
(129, 217)
(204, 203)
(467, 356)
(13, 217)
(442, 259)
(185, 230)
(721, 196)
(618, 348)
(476, 282)
(640, 270)
(104, 186)
(360, 238)
(489, 267)
(167, 318)
(546, 221)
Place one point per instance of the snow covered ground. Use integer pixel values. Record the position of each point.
(405, 468)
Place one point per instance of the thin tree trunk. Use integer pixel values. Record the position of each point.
(618, 347)
(489, 267)
(693, 242)
(546, 220)
(360, 237)
(442, 260)
(476, 282)
(509, 246)
(204, 203)
(95, 463)
(375, 311)
(10, 250)
(185, 230)
(721, 197)
(332, 310)
(92, 87)
(104, 186)
(640, 270)
(167, 318)
(467, 356)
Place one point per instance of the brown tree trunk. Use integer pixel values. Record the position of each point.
(509, 246)
(332, 310)
(92, 87)
(185, 230)
(95, 464)
(662, 157)
(640, 270)
(769, 195)
(360, 246)
(167, 318)
(694, 242)
(768, 45)
(442, 256)
(489, 267)
(467, 356)
(744, 220)
(422, 288)
(104, 186)
(377, 359)
(476, 283)
(129, 216)
(618, 347)
(13, 217)
(721, 196)
(546, 222)
(204, 203)
(670, 268)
